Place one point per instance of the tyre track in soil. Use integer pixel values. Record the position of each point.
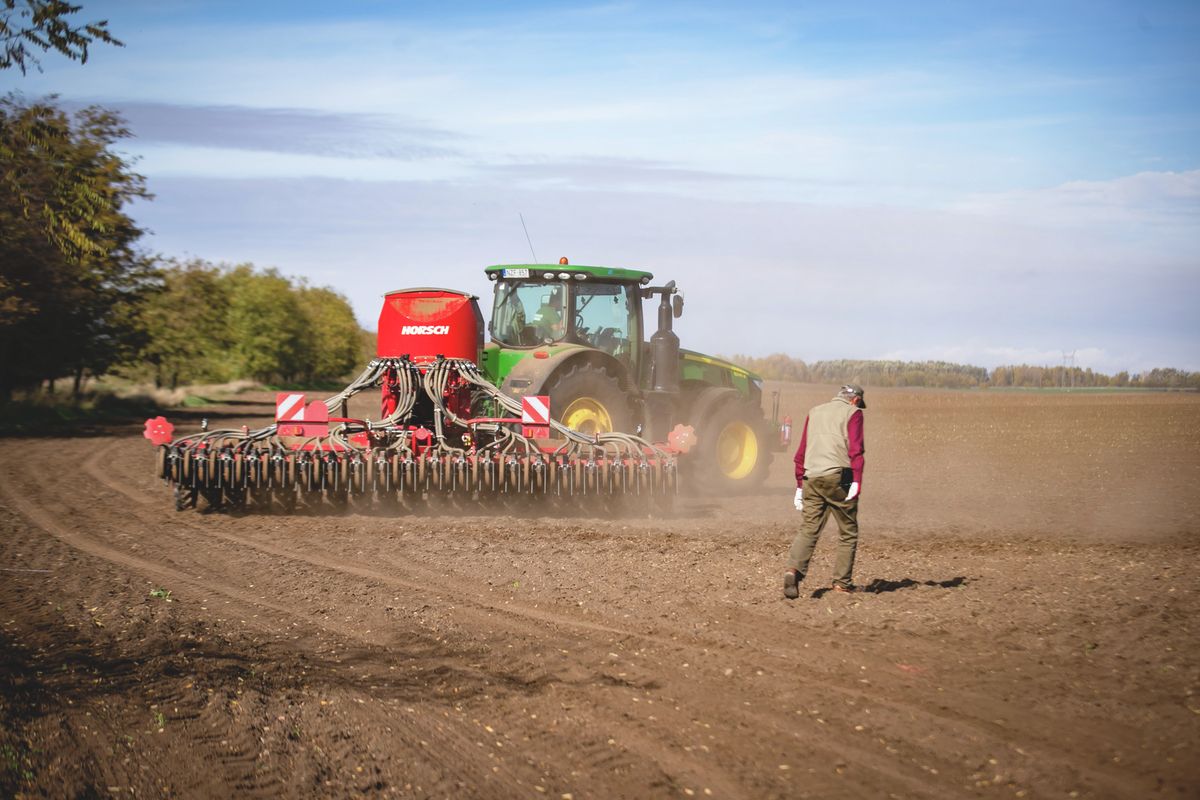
(235, 753)
(431, 733)
(180, 575)
(527, 621)
(521, 621)
(951, 728)
(516, 619)
(95, 723)
(237, 747)
(1045, 732)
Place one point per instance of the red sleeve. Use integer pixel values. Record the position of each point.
(799, 459)
(854, 436)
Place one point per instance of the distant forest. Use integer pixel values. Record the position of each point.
(945, 375)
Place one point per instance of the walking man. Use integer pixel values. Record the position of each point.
(829, 466)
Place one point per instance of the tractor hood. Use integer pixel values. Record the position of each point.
(701, 368)
(691, 356)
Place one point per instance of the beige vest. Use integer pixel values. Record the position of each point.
(827, 447)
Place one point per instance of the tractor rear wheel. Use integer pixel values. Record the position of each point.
(590, 400)
(731, 451)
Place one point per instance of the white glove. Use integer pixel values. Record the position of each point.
(799, 502)
(853, 493)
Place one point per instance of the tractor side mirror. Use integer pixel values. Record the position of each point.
(677, 306)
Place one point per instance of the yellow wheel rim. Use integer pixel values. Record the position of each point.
(587, 415)
(737, 450)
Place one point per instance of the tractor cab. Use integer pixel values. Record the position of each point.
(596, 307)
(576, 335)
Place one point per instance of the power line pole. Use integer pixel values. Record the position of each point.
(1069, 369)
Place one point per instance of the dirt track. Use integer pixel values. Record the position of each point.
(1028, 629)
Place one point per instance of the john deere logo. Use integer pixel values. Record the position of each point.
(424, 330)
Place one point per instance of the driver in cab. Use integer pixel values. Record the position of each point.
(548, 322)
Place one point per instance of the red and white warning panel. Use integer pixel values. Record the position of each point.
(294, 418)
(535, 416)
(289, 407)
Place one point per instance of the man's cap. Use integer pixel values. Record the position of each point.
(855, 389)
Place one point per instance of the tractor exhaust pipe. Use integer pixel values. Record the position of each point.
(664, 358)
(664, 344)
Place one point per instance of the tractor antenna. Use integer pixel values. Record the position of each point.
(522, 216)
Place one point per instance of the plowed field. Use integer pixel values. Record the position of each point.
(1027, 627)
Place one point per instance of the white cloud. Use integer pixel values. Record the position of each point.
(1156, 198)
(168, 161)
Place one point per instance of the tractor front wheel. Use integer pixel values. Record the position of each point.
(590, 400)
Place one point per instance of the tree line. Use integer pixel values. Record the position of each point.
(946, 375)
(80, 297)
(778, 366)
(214, 323)
(1024, 375)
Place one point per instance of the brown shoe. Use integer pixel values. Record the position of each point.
(790, 589)
(840, 589)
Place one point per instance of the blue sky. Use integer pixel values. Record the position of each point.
(987, 183)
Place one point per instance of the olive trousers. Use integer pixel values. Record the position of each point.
(825, 496)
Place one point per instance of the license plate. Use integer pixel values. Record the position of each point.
(516, 273)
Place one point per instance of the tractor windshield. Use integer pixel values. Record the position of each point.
(528, 313)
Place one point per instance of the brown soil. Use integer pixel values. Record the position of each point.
(1028, 628)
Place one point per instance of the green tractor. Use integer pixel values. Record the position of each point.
(576, 334)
